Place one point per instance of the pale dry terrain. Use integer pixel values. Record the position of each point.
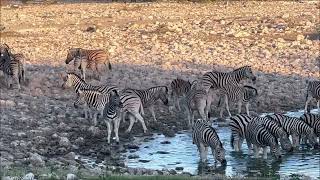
(150, 44)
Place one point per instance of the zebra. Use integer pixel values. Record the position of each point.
(238, 125)
(179, 88)
(92, 59)
(216, 79)
(313, 91)
(239, 94)
(12, 65)
(112, 115)
(149, 97)
(204, 136)
(276, 130)
(73, 80)
(259, 136)
(313, 120)
(295, 127)
(198, 100)
(93, 102)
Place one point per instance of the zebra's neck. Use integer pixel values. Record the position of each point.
(80, 84)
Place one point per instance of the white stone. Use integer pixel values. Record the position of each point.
(71, 177)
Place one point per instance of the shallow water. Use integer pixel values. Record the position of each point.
(182, 153)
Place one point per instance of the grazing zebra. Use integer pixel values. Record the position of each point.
(93, 101)
(239, 94)
(313, 120)
(92, 59)
(238, 125)
(259, 136)
(74, 81)
(150, 96)
(205, 136)
(216, 79)
(198, 100)
(295, 127)
(313, 91)
(12, 65)
(111, 115)
(179, 89)
(276, 130)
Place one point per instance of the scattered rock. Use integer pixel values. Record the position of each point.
(64, 141)
(133, 146)
(133, 156)
(71, 177)
(165, 142)
(179, 168)
(29, 176)
(144, 161)
(36, 160)
(162, 152)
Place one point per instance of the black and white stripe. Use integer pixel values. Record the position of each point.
(259, 136)
(216, 79)
(238, 125)
(295, 127)
(313, 120)
(179, 88)
(205, 136)
(133, 99)
(112, 115)
(313, 92)
(239, 94)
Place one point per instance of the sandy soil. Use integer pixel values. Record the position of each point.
(149, 44)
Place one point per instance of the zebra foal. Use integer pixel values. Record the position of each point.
(92, 59)
(313, 92)
(239, 94)
(204, 136)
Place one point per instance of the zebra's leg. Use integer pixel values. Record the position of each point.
(95, 118)
(227, 106)
(239, 107)
(116, 128)
(109, 130)
(247, 109)
(202, 153)
(265, 152)
(140, 118)
(207, 106)
(131, 118)
(306, 105)
(189, 117)
(202, 113)
(151, 108)
(295, 140)
(240, 143)
(318, 106)
(206, 152)
(249, 147)
(256, 151)
(16, 78)
(236, 143)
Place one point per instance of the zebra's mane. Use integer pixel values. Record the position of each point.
(243, 67)
(220, 143)
(76, 75)
(166, 88)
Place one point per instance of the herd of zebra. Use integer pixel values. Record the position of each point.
(106, 103)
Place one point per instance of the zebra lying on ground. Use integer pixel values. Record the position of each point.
(259, 136)
(216, 79)
(12, 65)
(179, 88)
(313, 120)
(74, 81)
(238, 125)
(276, 130)
(295, 127)
(313, 92)
(112, 116)
(205, 136)
(239, 94)
(92, 59)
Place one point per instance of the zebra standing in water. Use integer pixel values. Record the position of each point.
(111, 115)
(92, 59)
(12, 65)
(313, 120)
(276, 130)
(238, 125)
(295, 127)
(239, 94)
(205, 136)
(259, 136)
(74, 81)
(147, 98)
(313, 91)
(93, 101)
(179, 89)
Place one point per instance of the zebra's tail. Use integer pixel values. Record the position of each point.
(219, 102)
(232, 141)
(141, 109)
(109, 66)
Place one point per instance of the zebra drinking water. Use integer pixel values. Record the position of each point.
(239, 94)
(313, 92)
(259, 136)
(295, 127)
(92, 59)
(205, 136)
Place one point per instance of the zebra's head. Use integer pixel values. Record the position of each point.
(67, 80)
(72, 54)
(247, 73)
(274, 148)
(164, 94)
(115, 99)
(285, 141)
(220, 154)
(4, 52)
(311, 136)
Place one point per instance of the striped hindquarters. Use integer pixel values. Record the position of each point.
(92, 98)
(195, 98)
(313, 120)
(238, 124)
(131, 102)
(180, 87)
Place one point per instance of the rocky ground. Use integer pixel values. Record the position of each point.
(149, 44)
